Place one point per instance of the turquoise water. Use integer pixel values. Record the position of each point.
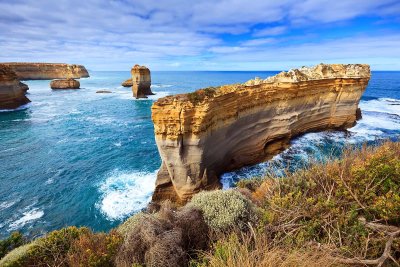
(81, 158)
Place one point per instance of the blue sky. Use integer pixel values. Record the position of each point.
(201, 35)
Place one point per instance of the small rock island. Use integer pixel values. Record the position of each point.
(203, 134)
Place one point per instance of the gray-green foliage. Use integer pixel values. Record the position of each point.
(223, 209)
(17, 256)
(130, 223)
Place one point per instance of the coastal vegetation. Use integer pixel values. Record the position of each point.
(341, 212)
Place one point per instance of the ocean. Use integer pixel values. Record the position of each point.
(76, 157)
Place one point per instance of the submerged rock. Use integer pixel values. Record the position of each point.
(127, 83)
(141, 80)
(47, 71)
(65, 84)
(12, 91)
(203, 134)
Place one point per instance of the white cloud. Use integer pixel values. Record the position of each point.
(270, 31)
(114, 34)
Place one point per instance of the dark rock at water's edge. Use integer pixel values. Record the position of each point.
(141, 80)
(12, 91)
(127, 83)
(46, 71)
(65, 84)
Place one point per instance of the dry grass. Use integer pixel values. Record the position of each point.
(238, 250)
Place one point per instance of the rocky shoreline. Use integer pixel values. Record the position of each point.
(203, 134)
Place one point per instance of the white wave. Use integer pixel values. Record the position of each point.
(117, 144)
(27, 217)
(6, 204)
(124, 193)
(128, 95)
(383, 105)
(161, 85)
(23, 107)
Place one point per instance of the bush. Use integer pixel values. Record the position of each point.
(17, 257)
(223, 210)
(94, 250)
(124, 228)
(166, 238)
(199, 95)
(13, 241)
(331, 203)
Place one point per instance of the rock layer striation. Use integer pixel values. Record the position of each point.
(12, 91)
(203, 134)
(47, 71)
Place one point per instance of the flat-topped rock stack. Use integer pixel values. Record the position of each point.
(203, 134)
(65, 84)
(141, 81)
(12, 91)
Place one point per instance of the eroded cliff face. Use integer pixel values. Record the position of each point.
(47, 71)
(203, 134)
(12, 91)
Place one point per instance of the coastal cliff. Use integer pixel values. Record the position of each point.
(203, 134)
(47, 71)
(12, 91)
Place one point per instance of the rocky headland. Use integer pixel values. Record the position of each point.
(203, 134)
(141, 81)
(12, 91)
(47, 71)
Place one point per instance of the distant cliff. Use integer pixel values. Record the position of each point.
(12, 91)
(47, 71)
(203, 134)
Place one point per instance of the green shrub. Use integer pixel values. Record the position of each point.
(18, 256)
(94, 250)
(15, 240)
(223, 210)
(199, 95)
(130, 223)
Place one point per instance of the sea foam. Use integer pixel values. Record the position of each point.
(27, 217)
(124, 193)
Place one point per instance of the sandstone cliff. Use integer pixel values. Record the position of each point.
(203, 134)
(12, 91)
(47, 71)
(141, 81)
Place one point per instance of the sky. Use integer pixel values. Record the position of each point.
(201, 35)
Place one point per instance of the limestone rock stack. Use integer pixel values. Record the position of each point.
(203, 134)
(12, 91)
(47, 71)
(65, 84)
(141, 81)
